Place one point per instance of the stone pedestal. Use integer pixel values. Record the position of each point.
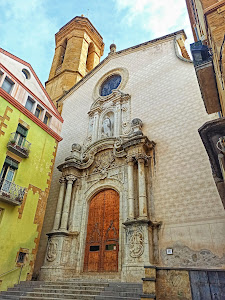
(137, 250)
(58, 255)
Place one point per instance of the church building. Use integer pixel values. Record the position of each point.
(132, 184)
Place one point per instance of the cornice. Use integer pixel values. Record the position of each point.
(28, 114)
(84, 25)
(32, 94)
(34, 74)
(213, 7)
(136, 48)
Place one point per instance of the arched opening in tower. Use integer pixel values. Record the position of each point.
(90, 58)
(63, 51)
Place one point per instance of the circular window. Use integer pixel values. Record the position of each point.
(111, 83)
(26, 73)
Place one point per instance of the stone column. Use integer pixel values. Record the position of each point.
(95, 127)
(70, 179)
(117, 119)
(130, 170)
(62, 181)
(142, 197)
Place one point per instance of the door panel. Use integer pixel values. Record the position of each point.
(102, 232)
(207, 285)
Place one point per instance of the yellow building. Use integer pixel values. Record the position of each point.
(30, 129)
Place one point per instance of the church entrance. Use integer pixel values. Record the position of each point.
(102, 242)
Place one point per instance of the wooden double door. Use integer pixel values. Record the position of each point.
(102, 242)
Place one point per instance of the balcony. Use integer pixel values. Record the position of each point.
(19, 145)
(206, 76)
(11, 193)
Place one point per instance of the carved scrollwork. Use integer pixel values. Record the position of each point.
(103, 162)
(62, 180)
(70, 179)
(142, 156)
(52, 250)
(129, 159)
(136, 243)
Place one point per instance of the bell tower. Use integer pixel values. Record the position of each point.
(79, 48)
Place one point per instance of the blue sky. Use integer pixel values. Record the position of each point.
(27, 27)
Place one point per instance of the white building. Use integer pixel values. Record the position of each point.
(137, 184)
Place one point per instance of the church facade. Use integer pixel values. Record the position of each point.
(132, 184)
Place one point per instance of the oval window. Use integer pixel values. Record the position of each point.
(26, 73)
(111, 83)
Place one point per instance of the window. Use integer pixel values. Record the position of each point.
(1, 73)
(90, 57)
(21, 256)
(7, 173)
(38, 112)
(47, 119)
(94, 248)
(7, 85)
(63, 51)
(26, 73)
(111, 83)
(21, 133)
(110, 247)
(29, 104)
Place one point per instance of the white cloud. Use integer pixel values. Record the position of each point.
(157, 17)
(28, 30)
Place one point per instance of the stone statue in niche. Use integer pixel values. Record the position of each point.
(107, 127)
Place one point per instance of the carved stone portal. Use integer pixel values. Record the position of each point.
(113, 160)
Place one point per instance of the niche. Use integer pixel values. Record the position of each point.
(107, 128)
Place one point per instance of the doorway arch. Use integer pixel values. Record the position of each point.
(102, 240)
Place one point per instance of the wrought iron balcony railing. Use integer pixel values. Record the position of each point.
(11, 193)
(19, 145)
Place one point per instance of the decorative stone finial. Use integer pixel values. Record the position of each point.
(76, 147)
(136, 125)
(82, 15)
(112, 48)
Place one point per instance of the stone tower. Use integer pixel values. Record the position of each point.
(79, 48)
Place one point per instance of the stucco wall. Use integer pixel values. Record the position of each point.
(20, 226)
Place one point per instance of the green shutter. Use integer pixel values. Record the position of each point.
(12, 163)
(21, 130)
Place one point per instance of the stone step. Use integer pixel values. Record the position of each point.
(72, 287)
(65, 295)
(30, 283)
(79, 283)
(68, 291)
(121, 294)
(122, 289)
(116, 298)
(59, 296)
(49, 291)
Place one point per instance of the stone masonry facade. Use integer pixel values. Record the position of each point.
(183, 205)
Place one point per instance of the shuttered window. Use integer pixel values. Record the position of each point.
(29, 104)
(21, 130)
(7, 85)
(11, 162)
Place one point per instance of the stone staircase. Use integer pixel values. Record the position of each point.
(74, 289)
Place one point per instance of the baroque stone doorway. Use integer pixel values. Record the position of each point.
(102, 241)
